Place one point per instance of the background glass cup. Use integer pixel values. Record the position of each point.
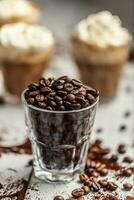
(60, 140)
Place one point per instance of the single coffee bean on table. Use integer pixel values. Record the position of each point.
(127, 186)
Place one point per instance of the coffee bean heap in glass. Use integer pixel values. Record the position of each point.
(61, 94)
(61, 114)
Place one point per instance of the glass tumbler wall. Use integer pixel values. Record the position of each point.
(60, 140)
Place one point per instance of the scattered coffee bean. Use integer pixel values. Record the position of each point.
(127, 114)
(121, 149)
(99, 130)
(56, 93)
(111, 186)
(122, 128)
(86, 189)
(83, 178)
(127, 159)
(95, 187)
(114, 158)
(103, 183)
(104, 172)
(127, 186)
(77, 192)
(80, 198)
(129, 198)
(58, 198)
(126, 172)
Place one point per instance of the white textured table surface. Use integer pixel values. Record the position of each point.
(109, 117)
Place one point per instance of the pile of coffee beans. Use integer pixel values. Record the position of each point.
(92, 180)
(60, 94)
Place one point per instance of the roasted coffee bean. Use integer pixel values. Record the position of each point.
(114, 158)
(104, 172)
(45, 90)
(39, 97)
(42, 82)
(105, 151)
(121, 149)
(95, 187)
(52, 94)
(59, 87)
(129, 198)
(91, 98)
(58, 98)
(122, 128)
(98, 165)
(76, 82)
(127, 114)
(95, 174)
(58, 198)
(59, 103)
(42, 104)
(75, 92)
(68, 87)
(127, 159)
(63, 78)
(34, 93)
(127, 186)
(70, 97)
(80, 99)
(126, 172)
(61, 93)
(31, 101)
(52, 104)
(111, 186)
(67, 103)
(103, 183)
(33, 86)
(83, 177)
(61, 108)
(93, 164)
(77, 192)
(75, 106)
(99, 130)
(86, 189)
(49, 108)
(80, 198)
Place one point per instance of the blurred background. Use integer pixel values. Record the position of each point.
(61, 16)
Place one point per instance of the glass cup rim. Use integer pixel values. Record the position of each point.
(53, 111)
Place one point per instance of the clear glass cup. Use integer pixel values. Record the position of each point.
(60, 140)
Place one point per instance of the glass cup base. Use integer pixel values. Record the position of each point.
(55, 175)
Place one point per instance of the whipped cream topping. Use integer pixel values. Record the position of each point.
(22, 36)
(102, 29)
(11, 8)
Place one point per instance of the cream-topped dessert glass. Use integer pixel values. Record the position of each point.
(12, 11)
(100, 47)
(24, 52)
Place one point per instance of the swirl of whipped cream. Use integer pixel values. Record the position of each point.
(22, 36)
(102, 29)
(20, 8)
